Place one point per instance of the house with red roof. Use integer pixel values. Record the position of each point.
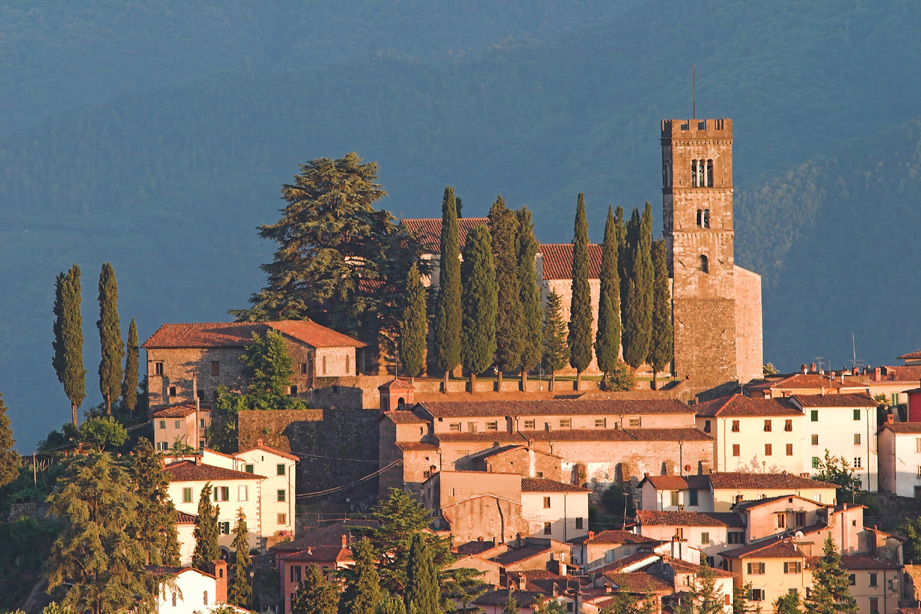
(900, 458)
(181, 424)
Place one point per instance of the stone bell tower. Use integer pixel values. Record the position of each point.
(698, 230)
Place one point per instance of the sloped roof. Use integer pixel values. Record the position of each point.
(741, 506)
(911, 355)
(403, 417)
(516, 555)
(183, 518)
(544, 485)
(835, 400)
(777, 547)
(397, 384)
(261, 446)
(188, 471)
(316, 335)
(179, 410)
(797, 380)
(554, 407)
(865, 562)
(239, 334)
(740, 405)
(687, 519)
(677, 482)
(764, 481)
(903, 428)
(639, 582)
(557, 259)
(613, 536)
(428, 231)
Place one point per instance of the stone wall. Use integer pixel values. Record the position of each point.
(485, 518)
(705, 339)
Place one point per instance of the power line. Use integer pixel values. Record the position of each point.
(353, 460)
(328, 491)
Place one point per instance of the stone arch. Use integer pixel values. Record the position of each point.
(704, 264)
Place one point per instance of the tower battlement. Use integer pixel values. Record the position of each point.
(696, 128)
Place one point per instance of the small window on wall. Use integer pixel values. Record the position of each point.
(706, 219)
(530, 425)
(579, 522)
(294, 391)
(856, 414)
(548, 528)
(735, 426)
(282, 519)
(348, 364)
(735, 449)
(158, 368)
(303, 368)
(324, 365)
(215, 367)
(280, 469)
(546, 503)
(224, 528)
(709, 174)
(704, 264)
(172, 391)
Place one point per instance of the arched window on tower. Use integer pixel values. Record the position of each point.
(704, 264)
(709, 173)
(706, 218)
(700, 218)
(701, 174)
(693, 173)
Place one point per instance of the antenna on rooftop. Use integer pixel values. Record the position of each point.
(854, 361)
(693, 91)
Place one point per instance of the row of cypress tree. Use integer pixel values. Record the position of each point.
(114, 381)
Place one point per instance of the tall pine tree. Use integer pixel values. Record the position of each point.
(316, 595)
(662, 342)
(206, 531)
(9, 459)
(422, 591)
(637, 325)
(241, 590)
(112, 347)
(620, 234)
(503, 226)
(155, 522)
(362, 582)
(413, 326)
(68, 338)
(531, 335)
(448, 318)
(479, 304)
(130, 383)
(555, 351)
(607, 338)
(830, 593)
(580, 312)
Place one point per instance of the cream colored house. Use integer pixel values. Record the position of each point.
(596, 550)
(900, 459)
(277, 504)
(772, 567)
(754, 435)
(554, 509)
(184, 424)
(186, 590)
(708, 532)
(874, 583)
(185, 533)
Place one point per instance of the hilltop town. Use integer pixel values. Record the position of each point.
(442, 414)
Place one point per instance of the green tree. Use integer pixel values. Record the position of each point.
(96, 559)
(413, 327)
(607, 338)
(130, 383)
(460, 207)
(787, 604)
(461, 586)
(112, 347)
(55, 608)
(241, 591)
(422, 589)
(479, 304)
(620, 236)
(830, 593)
(155, 522)
(911, 529)
(268, 367)
(836, 470)
(9, 459)
(316, 595)
(580, 312)
(362, 582)
(511, 606)
(740, 597)
(703, 597)
(503, 227)
(628, 603)
(68, 338)
(555, 352)
(448, 312)
(662, 340)
(637, 325)
(206, 531)
(532, 335)
(102, 433)
(390, 605)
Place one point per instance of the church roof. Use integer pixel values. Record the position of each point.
(428, 231)
(558, 260)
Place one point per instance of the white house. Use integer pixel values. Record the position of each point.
(900, 459)
(554, 509)
(185, 590)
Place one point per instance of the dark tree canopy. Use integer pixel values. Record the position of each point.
(531, 337)
(580, 312)
(316, 595)
(241, 590)
(206, 531)
(448, 318)
(479, 302)
(9, 459)
(110, 338)
(830, 592)
(607, 338)
(155, 522)
(504, 227)
(637, 325)
(68, 338)
(662, 342)
(362, 582)
(555, 351)
(130, 383)
(422, 588)
(414, 325)
(267, 366)
(102, 433)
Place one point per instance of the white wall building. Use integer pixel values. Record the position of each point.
(900, 459)
(554, 509)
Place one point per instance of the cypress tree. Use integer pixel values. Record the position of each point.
(580, 318)
(620, 234)
(531, 338)
(460, 207)
(422, 589)
(607, 338)
(206, 531)
(413, 326)
(316, 595)
(9, 459)
(130, 383)
(662, 342)
(503, 227)
(110, 338)
(390, 605)
(830, 593)
(555, 352)
(448, 318)
(155, 522)
(68, 338)
(479, 304)
(363, 583)
(511, 606)
(241, 591)
(637, 324)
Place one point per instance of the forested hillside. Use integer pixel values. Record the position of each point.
(163, 157)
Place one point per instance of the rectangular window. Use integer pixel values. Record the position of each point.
(792, 567)
(296, 574)
(172, 391)
(767, 426)
(471, 427)
(919, 471)
(674, 498)
(579, 522)
(224, 527)
(757, 594)
(768, 450)
(324, 365)
(692, 497)
(348, 364)
(705, 537)
(852, 579)
(873, 579)
(161, 445)
(162, 424)
(856, 462)
(856, 414)
(736, 537)
(530, 425)
(282, 495)
(735, 449)
(756, 569)
(636, 422)
(201, 423)
(788, 425)
(215, 367)
(856, 439)
(242, 493)
(789, 449)
(706, 426)
(814, 415)
(874, 605)
(492, 426)
(815, 440)
(222, 493)
(735, 426)
(282, 519)
(781, 520)
(918, 444)
(303, 368)
(679, 532)
(186, 495)
(158, 368)
(800, 519)
(547, 528)
(280, 469)
(815, 462)
(177, 424)
(454, 426)
(249, 468)
(566, 423)
(600, 423)
(546, 503)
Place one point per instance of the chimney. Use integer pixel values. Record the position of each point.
(890, 418)
(345, 541)
(309, 550)
(218, 569)
(194, 387)
(812, 368)
(876, 374)
(855, 371)
(591, 535)
(198, 459)
(804, 368)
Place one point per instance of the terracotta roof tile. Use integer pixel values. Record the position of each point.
(428, 231)
(672, 434)
(637, 557)
(330, 535)
(554, 407)
(686, 567)
(498, 437)
(516, 555)
(416, 446)
(686, 519)
(865, 562)
(316, 335)
(179, 410)
(473, 548)
(742, 506)
(778, 547)
(739, 405)
(403, 417)
(639, 582)
(239, 334)
(906, 373)
(911, 355)
(797, 380)
(557, 259)
(261, 446)
(764, 481)
(613, 536)
(318, 553)
(544, 485)
(183, 518)
(188, 471)
(835, 400)
(904, 428)
(397, 384)
(677, 482)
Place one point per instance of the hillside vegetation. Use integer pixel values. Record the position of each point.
(162, 152)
